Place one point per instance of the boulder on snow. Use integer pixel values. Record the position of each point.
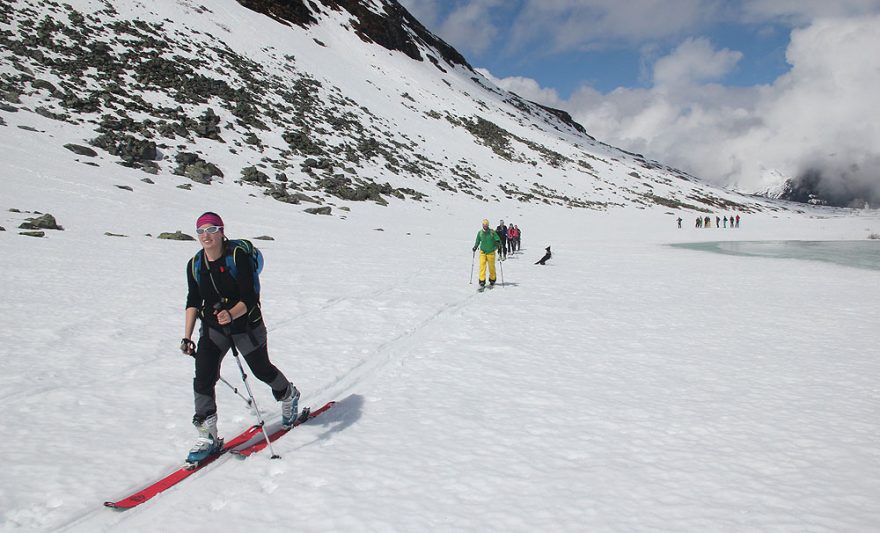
(46, 221)
(176, 236)
(251, 174)
(81, 150)
(319, 210)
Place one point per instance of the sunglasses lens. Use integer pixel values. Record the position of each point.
(210, 229)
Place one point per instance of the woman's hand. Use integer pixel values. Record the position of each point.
(187, 346)
(224, 317)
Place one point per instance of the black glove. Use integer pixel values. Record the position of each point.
(188, 347)
(474, 248)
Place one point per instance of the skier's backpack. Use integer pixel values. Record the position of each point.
(234, 246)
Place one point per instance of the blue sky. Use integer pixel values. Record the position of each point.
(609, 45)
(735, 91)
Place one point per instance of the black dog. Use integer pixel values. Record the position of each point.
(544, 259)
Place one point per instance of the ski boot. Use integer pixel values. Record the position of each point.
(207, 444)
(289, 407)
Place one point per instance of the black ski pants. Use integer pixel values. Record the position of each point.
(213, 346)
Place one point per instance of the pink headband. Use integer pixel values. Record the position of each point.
(209, 218)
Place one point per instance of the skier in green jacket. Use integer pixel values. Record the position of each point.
(488, 242)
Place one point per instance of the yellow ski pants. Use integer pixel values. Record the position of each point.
(490, 259)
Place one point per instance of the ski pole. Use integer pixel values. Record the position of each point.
(501, 264)
(240, 395)
(473, 255)
(230, 386)
(227, 330)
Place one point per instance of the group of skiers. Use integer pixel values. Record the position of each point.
(706, 222)
(502, 240)
(510, 239)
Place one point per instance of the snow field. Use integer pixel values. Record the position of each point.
(625, 386)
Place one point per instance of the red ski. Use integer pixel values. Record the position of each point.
(260, 444)
(181, 473)
(184, 472)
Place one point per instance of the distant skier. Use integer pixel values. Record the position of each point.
(725, 221)
(543, 260)
(518, 240)
(211, 282)
(501, 230)
(511, 239)
(699, 222)
(717, 221)
(488, 241)
(737, 220)
(679, 222)
(707, 222)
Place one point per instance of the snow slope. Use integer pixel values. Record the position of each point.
(625, 386)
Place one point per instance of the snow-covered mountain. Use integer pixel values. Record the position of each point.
(321, 103)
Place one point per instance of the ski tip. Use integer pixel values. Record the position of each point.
(127, 503)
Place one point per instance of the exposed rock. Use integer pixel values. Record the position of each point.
(185, 186)
(195, 168)
(252, 175)
(124, 187)
(202, 172)
(176, 236)
(208, 125)
(13, 97)
(149, 181)
(129, 148)
(33, 233)
(81, 150)
(301, 142)
(325, 210)
(264, 238)
(305, 198)
(46, 221)
(43, 84)
(108, 234)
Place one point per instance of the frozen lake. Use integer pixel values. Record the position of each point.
(858, 254)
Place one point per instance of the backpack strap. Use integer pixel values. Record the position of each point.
(197, 263)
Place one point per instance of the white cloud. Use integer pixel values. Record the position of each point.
(804, 11)
(585, 24)
(426, 11)
(526, 88)
(470, 27)
(821, 115)
(692, 62)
